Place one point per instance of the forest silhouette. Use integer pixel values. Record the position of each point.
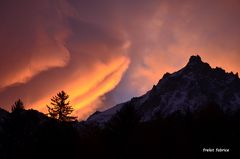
(30, 134)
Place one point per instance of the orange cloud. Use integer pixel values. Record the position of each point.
(84, 48)
(30, 43)
(45, 56)
(85, 91)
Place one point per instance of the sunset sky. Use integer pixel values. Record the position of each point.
(103, 52)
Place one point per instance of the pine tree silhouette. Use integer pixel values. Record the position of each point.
(61, 108)
(18, 106)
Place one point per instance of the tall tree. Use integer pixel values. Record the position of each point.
(18, 106)
(60, 108)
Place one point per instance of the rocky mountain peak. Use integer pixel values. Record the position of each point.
(190, 88)
(195, 60)
(196, 63)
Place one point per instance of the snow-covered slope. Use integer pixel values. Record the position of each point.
(191, 88)
(102, 117)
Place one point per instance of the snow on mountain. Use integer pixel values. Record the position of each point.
(102, 117)
(190, 88)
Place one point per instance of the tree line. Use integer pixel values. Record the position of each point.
(30, 134)
(59, 108)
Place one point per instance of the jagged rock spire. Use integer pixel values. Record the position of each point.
(195, 60)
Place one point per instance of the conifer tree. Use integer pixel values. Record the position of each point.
(17, 106)
(60, 108)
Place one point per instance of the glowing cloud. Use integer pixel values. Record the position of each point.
(105, 52)
(86, 90)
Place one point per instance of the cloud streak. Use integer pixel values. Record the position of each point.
(27, 45)
(103, 53)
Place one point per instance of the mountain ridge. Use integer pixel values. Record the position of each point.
(190, 88)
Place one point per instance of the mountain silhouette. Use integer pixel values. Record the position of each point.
(186, 113)
(189, 89)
